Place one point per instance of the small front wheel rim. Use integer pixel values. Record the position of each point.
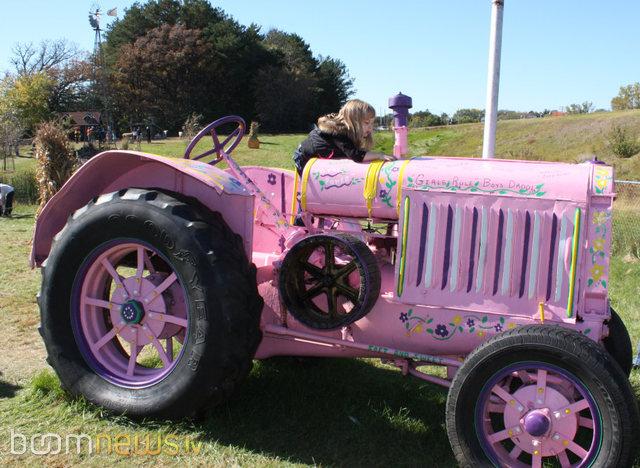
(129, 314)
(531, 413)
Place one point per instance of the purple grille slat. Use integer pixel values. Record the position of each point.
(496, 274)
(554, 233)
(472, 254)
(447, 248)
(423, 241)
(525, 251)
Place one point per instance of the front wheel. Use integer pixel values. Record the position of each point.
(149, 306)
(541, 395)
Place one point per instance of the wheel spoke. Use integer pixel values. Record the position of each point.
(332, 300)
(161, 352)
(347, 269)
(496, 408)
(506, 396)
(205, 154)
(231, 135)
(169, 347)
(114, 274)
(564, 459)
(585, 422)
(216, 141)
(575, 448)
(139, 262)
(313, 292)
(348, 292)
(524, 376)
(536, 459)
(502, 435)
(162, 317)
(133, 347)
(158, 290)
(515, 452)
(541, 386)
(105, 339)
(312, 269)
(329, 260)
(98, 302)
(572, 409)
(148, 263)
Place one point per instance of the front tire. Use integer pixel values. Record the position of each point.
(149, 306)
(541, 394)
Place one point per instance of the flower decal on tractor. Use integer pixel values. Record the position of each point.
(480, 326)
(271, 179)
(598, 270)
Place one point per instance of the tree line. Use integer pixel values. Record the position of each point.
(165, 60)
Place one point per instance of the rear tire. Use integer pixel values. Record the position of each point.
(618, 343)
(211, 308)
(585, 414)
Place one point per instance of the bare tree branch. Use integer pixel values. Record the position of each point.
(50, 55)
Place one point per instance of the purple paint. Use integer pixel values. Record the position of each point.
(423, 241)
(447, 248)
(525, 252)
(472, 248)
(552, 252)
(496, 275)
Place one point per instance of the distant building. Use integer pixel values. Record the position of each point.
(82, 121)
(556, 113)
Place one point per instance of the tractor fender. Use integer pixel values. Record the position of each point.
(111, 171)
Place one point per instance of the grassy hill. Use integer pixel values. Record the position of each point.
(571, 138)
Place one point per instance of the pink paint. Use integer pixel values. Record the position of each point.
(488, 244)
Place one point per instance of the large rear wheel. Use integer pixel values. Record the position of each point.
(149, 306)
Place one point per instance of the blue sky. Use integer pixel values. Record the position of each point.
(555, 52)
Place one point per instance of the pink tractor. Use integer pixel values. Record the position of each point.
(162, 279)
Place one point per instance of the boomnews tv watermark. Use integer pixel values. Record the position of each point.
(120, 443)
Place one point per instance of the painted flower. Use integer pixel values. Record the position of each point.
(596, 272)
(383, 193)
(470, 322)
(395, 169)
(601, 183)
(481, 333)
(441, 330)
(598, 245)
(498, 327)
(271, 179)
(457, 320)
(403, 317)
(511, 325)
(599, 217)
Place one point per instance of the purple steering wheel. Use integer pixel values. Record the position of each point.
(227, 146)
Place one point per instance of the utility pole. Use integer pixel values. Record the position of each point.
(493, 80)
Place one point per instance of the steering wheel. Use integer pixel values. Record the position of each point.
(227, 146)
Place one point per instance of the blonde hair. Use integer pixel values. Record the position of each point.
(348, 121)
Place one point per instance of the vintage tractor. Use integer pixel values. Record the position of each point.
(162, 279)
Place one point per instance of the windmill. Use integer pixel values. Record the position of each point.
(98, 60)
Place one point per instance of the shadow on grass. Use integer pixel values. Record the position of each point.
(334, 412)
(17, 216)
(7, 390)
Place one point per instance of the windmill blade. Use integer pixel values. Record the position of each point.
(112, 12)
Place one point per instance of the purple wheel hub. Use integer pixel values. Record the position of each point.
(532, 413)
(537, 423)
(130, 314)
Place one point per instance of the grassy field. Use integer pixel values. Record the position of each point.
(324, 412)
